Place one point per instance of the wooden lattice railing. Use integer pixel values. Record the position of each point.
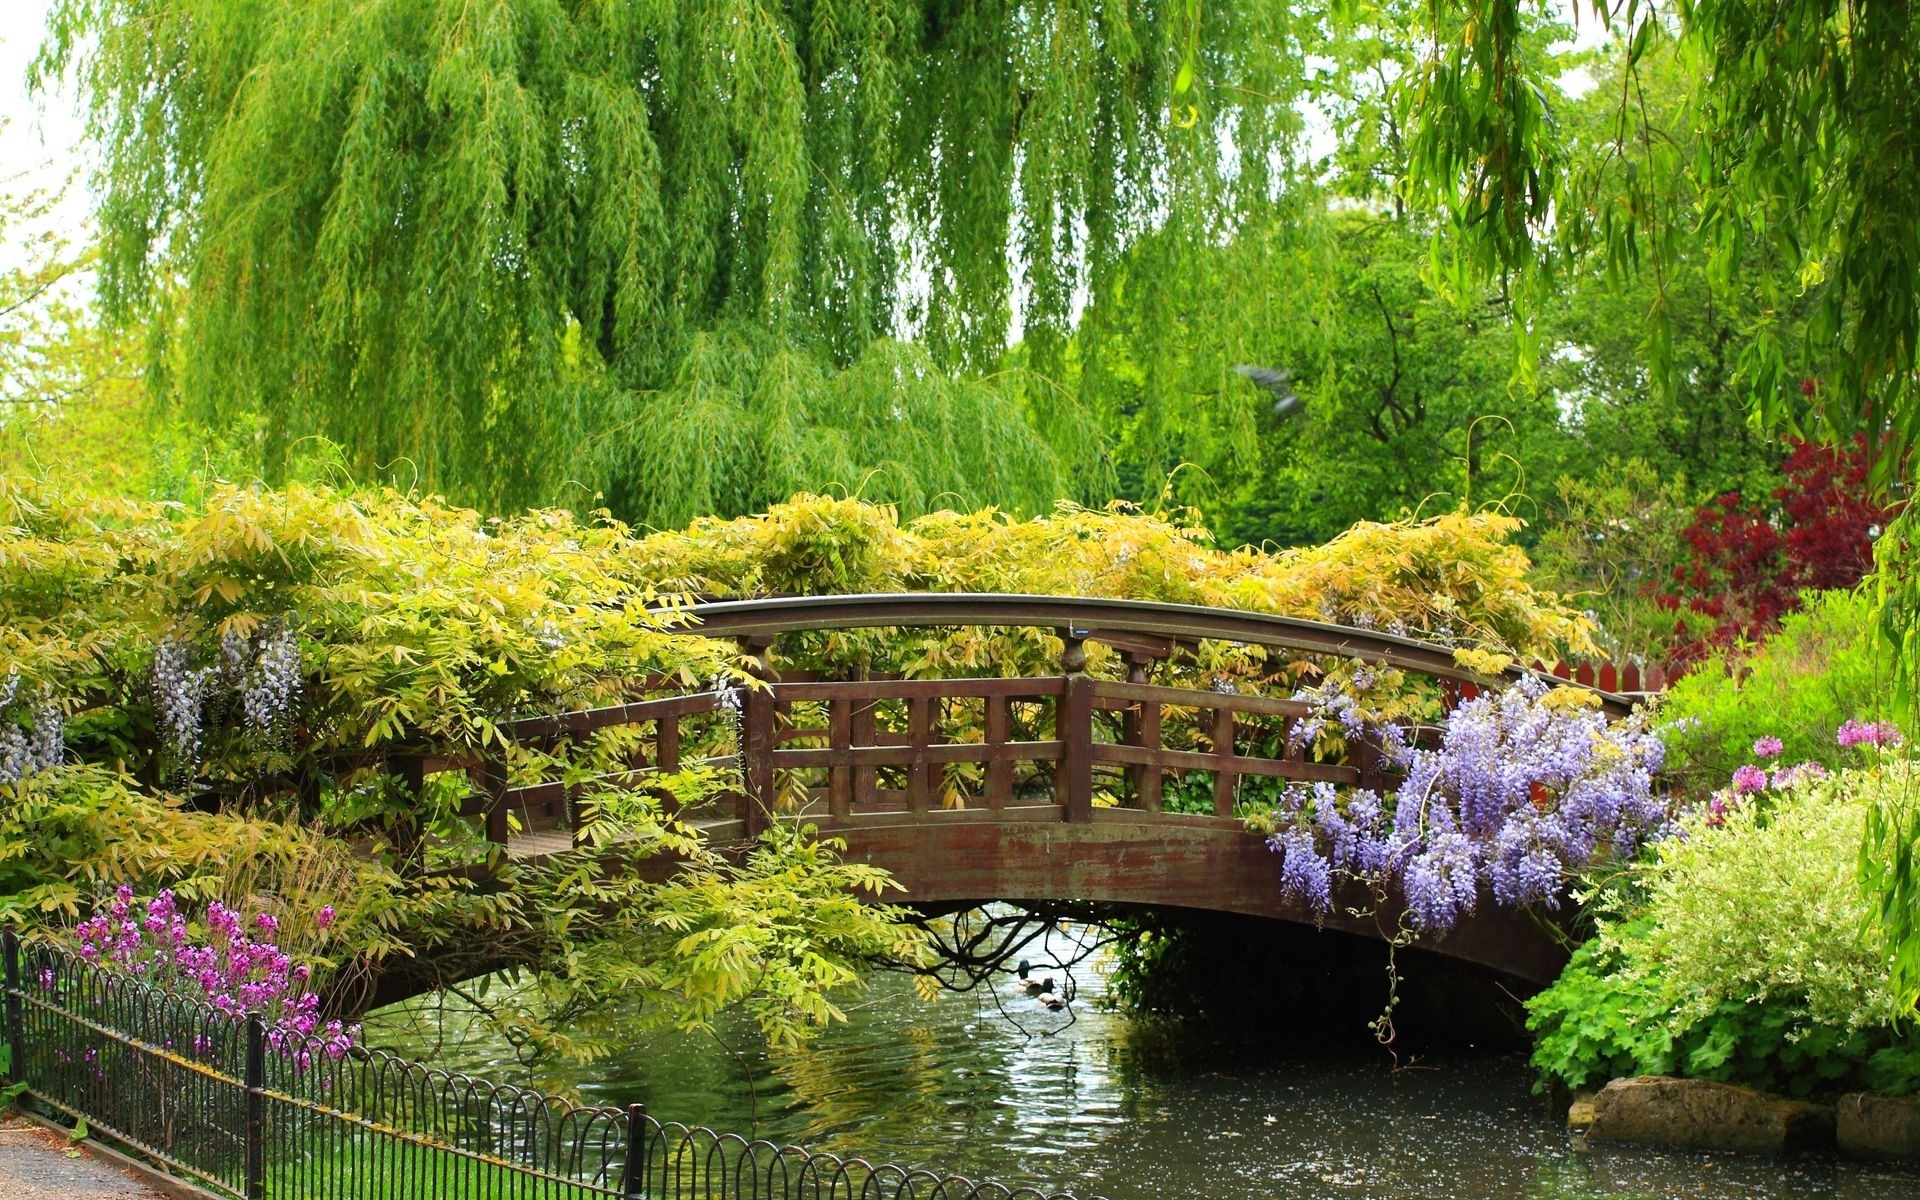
(1064, 747)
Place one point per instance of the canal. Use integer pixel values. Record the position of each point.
(1088, 1100)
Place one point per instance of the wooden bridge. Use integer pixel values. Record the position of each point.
(1064, 777)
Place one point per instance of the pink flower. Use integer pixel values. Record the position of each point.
(1787, 777)
(1868, 733)
(1749, 779)
(1768, 747)
(324, 917)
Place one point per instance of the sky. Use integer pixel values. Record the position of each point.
(40, 143)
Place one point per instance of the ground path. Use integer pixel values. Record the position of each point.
(37, 1163)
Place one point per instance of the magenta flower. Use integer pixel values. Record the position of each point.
(235, 974)
(1749, 779)
(1869, 733)
(324, 917)
(1768, 747)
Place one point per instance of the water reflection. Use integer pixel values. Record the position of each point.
(1093, 1102)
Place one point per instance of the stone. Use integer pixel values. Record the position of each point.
(1870, 1126)
(1701, 1115)
(1580, 1112)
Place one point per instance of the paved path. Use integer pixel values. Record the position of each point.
(38, 1164)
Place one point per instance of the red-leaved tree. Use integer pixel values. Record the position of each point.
(1751, 561)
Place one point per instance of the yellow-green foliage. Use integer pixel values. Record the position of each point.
(71, 834)
(418, 620)
(1789, 871)
(420, 626)
(1454, 578)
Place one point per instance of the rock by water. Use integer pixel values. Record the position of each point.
(1695, 1113)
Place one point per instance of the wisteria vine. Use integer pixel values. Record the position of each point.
(1522, 791)
(37, 747)
(260, 670)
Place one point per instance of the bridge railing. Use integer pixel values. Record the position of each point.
(1065, 746)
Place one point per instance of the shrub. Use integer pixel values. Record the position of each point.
(1751, 959)
(1822, 668)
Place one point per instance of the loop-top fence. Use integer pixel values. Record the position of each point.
(214, 1100)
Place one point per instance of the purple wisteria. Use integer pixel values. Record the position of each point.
(237, 973)
(1520, 792)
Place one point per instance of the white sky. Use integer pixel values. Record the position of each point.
(40, 141)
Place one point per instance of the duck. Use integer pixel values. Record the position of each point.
(1027, 984)
(1050, 1000)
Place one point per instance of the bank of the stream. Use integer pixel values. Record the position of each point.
(1101, 1104)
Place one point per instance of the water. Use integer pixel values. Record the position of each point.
(1093, 1102)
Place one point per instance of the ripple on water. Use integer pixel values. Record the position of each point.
(1133, 1110)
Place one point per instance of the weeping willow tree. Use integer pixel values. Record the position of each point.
(689, 253)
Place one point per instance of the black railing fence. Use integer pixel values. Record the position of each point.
(216, 1100)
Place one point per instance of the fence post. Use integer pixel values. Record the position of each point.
(255, 1084)
(634, 1176)
(16, 1024)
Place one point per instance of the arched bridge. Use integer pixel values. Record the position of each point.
(1113, 785)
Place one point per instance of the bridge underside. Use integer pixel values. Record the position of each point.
(1201, 863)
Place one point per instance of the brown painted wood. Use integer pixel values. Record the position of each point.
(915, 689)
(1200, 760)
(999, 763)
(840, 763)
(1149, 774)
(1178, 622)
(907, 756)
(493, 774)
(920, 739)
(1158, 860)
(1074, 775)
(1197, 698)
(756, 801)
(1224, 778)
(587, 720)
(666, 744)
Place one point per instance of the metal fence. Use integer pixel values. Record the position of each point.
(216, 1100)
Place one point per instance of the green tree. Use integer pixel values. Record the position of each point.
(503, 245)
(1806, 111)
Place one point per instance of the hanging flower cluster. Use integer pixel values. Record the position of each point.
(1521, 791)
(236, 972)
(24, 751)
(260, 670)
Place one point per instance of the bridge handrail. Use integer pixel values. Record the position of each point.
(1089, 618)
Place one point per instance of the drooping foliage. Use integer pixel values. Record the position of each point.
(520, 242)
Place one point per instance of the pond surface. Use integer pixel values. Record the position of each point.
(1098, 1104)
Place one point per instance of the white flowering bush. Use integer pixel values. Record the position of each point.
(1751, 957)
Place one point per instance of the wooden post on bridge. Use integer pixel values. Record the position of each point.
(1074, 727)
(757, 740)
(1140, 726)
